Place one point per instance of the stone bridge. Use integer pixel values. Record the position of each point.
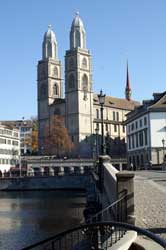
(49, 166)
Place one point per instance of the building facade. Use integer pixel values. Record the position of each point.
(9, 148)
(80, 106)
(25, 128)
(146, 132)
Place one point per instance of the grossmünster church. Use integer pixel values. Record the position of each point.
(80, 106)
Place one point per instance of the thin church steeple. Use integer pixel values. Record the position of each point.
(128, 87)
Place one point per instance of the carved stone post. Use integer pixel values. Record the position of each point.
(102, 159)
(125, 181)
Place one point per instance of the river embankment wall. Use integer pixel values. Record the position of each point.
(45, 183)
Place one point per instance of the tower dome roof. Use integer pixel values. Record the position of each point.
(50, 35)
(49, 44)
(77, 22)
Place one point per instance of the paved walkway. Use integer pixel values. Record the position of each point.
(150, 201)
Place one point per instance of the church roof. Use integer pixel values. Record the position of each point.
(77, 22)
(49, 35)
(119, 103)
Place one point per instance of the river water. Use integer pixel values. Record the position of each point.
(31, 216)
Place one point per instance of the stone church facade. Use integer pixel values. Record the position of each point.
(80, 106)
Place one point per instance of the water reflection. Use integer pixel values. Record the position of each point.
(27, 217)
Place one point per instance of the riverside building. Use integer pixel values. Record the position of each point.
(146, 132)
(25, 128)
(9, 148)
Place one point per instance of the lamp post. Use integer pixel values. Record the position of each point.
(97, 132)
(101, 167)
(163, 142)
(101, 97)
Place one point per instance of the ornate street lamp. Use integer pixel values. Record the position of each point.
(101, 97)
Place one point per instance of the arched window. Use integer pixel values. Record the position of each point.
(43, 90)
(55, 71)
(77, 37)
(55, 89)
(84, 63)
(85, 82)
(71, 81)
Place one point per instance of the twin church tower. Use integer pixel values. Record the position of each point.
(79, 106)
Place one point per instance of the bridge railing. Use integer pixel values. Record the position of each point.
(117, 211)
(48, 171)
(101, 235)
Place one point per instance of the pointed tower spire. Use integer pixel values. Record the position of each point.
(128, 88)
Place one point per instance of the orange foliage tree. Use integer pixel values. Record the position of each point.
(34, 134)
(34, 141)
(56, 138)
(31, 139)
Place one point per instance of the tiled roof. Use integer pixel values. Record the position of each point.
(159, 105)
(119, 103)
(18, 123)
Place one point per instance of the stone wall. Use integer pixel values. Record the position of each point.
(45, 183)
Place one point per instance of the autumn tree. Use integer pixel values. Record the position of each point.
(56, 138)
(34, 134)
(31, 139)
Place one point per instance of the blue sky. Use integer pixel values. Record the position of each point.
(116, 30)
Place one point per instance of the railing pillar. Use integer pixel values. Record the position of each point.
(61, 171)
(120, 166)
(102, 159)
(51, 171)
(125, 181)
